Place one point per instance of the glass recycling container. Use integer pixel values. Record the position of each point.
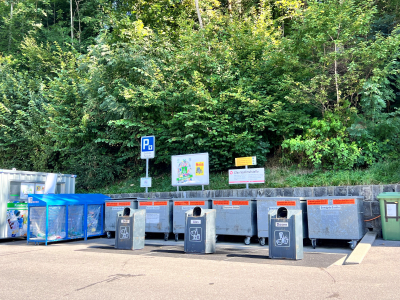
(285, 233)
(236, 216)
(200, 230)
(64, 217)
(182, 205)
(158, 215)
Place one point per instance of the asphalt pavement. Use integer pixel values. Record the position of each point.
(93, 269)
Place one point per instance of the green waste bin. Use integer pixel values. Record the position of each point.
(390, 215)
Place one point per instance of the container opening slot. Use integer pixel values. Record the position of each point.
(282, 212)
(197, 211)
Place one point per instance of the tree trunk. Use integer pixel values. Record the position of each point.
(198, 13)
(10, 33)
(72, 23)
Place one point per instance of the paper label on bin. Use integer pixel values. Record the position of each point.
(161, 203)
(330, 207)
(344, 201)
(152, 218)
(232, 207)
(125, 221)
(282, 224)
(119, 208)
(286, 203)
(317, 202)
(391, 210)
(185, 208)
(152, 207)
(195, 222)
(145, 203)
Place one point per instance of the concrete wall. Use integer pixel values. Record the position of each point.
(370, 192)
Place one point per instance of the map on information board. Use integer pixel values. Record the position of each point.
(190, 169)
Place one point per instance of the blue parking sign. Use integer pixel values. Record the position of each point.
(148, 147)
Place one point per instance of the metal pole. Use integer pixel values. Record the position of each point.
(177, 188)
(202, 187)
(147, 171)
(247, 185)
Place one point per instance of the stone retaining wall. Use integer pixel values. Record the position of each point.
(370, 192)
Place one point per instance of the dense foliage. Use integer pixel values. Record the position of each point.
(314, 83)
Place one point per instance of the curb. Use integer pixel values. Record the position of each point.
(358, 254)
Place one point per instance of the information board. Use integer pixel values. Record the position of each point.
(255, 175)
(190, 169)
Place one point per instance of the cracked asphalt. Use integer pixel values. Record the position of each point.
(93, 269)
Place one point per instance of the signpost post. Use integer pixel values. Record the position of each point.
(147, 151)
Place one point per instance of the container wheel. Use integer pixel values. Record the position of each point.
(109, 235)
(166, 235)
(353, 244)
(216, 238)
(314, 243)
(176, 237)
(262, 241)
(247, 240)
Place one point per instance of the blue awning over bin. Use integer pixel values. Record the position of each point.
(66, 199)
(58, 217)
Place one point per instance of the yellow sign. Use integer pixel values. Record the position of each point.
(199, 168)
(245, 161)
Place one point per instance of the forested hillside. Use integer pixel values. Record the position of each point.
(314, 83)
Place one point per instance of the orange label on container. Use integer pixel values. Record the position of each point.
(317, 202)
(161, 203)
(118, 204)
(344, 201)
(286, 203)
(197, 203)
(221, 202)
(145, 203)
(178, 203)
(240, 202)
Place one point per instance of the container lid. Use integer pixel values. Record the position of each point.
(389, 195)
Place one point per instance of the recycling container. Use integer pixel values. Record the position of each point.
(236, 216)
(64, 216)
(112, 207)
(200, 230)
(335, 217)
(265, 204)
(180, 207)
(285, 233)
(130, 229)
(158, 215)
(390, 211)
(15, 185)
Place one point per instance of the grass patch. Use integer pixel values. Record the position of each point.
(380, 173)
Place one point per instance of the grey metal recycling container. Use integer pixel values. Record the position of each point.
(158, 215)
(340, 218)
(236, 216)
(265, 204)
(182, 205)
(286, 233)
(200, 231)
(130, 229)
(112, 207)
